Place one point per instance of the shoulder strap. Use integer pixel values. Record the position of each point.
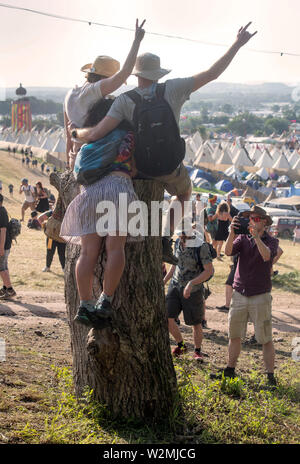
(160, 90)
(197, 256)
(134, 96)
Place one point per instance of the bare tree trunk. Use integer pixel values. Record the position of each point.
(129, 365)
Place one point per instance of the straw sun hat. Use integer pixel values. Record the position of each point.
(103, 66)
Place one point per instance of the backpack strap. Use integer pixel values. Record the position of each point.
(160, 90)
(134, 96)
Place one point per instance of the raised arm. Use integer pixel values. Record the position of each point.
(112, 83)
(219, 67)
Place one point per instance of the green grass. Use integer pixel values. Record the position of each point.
(290, 282)
(220, 411)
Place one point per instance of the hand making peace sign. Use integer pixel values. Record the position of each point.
(139, 31)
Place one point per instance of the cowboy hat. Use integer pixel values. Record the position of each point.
(259, 212)
(148, 66)
(103, 66)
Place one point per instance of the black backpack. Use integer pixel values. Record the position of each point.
(14, 228)
(159, 147)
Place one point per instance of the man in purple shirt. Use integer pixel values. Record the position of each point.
(251, 298)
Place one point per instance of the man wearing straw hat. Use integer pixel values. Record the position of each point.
(102, 78)
(177, 91)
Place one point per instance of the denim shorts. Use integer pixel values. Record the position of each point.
(4, 261)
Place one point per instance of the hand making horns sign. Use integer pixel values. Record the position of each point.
(244, 36)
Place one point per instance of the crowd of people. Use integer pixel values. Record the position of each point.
(110, 141)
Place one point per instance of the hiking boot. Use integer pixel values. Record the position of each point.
(10, 293)
(104, 309)
(167, 251)
(178, 351)
(198, 357)
(46, 269)
(223, 308)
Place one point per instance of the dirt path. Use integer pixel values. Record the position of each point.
(32, 309)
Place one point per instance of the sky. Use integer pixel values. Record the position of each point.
(41, 51)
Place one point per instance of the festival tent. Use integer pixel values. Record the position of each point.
(22, 138)
(297, 185)
(32, 141)
(191, 144)
(189, 153)
(217, 153)
(275, 154)
(208, 146)
(281, 163)
(242, 159)
(225, 158)
(265, 161)
(294, 157)
(262, 173)
(10, 138)
(293, 191)
(235, 193)
(224, 185)
(202, 183)
(197, 139)
(196, 173)
(297, 164)
(203, 156)
(233, 172)
(255, 155)
(60, 146)
(48, 144)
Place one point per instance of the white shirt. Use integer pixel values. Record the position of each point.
(79, 100)
(28, 191)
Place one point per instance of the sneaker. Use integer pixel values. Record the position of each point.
(167, 250)
(198, 356)
(204, 324)
(87, 316)
(178, 351)
(46, 269)
(10, 293)
(104, 309)
(222, 308)
(2, 293)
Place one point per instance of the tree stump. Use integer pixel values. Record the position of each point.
(128, 365)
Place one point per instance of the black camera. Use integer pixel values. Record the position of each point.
(243, 227)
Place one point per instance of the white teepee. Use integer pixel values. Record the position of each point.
(282, 163)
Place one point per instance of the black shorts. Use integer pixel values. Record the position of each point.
(192, 307)
(230, 277)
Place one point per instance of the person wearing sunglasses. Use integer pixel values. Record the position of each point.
(251, 299)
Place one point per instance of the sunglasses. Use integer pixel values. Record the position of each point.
(256, 218)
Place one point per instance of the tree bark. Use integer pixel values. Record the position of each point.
(128, 365)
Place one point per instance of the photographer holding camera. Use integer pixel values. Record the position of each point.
(251, 299)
